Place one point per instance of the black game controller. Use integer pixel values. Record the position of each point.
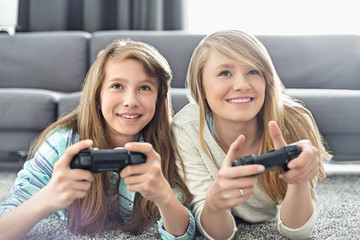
(106, 159)
(273, 159)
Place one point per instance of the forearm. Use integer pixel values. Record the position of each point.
(16, 223)
(217, 224)
(175, 217)
(297, 206)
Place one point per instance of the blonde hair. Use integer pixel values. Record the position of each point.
(88, 122)
(294, 120)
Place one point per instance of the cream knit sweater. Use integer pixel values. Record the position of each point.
(201, 171)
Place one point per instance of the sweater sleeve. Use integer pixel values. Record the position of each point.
(303, 232)
(37, 171)
(197, 172)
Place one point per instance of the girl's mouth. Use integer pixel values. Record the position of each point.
(128, 116)
(240, 100)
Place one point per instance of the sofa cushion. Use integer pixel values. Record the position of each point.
(47, 60)
(27, 109)
(24, 113)
(15, 143)
(322, 61)
(68, 102)
(337, 116)
(179, 98)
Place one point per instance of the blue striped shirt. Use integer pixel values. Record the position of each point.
(38, 170)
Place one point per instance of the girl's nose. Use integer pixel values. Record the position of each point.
(130, 100)
(241, 83)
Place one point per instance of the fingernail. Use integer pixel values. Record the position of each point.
(291, 165)
(261, 168)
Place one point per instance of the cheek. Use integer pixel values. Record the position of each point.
(107, 102)
(262, 92)
(211, 90)
(261, 87)
(150, 104)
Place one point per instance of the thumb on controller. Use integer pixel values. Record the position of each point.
(71, 151)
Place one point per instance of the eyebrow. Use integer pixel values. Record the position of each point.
(144, 81)
(147, 80)
(225, 65)
(116, 79)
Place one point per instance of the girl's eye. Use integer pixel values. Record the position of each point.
(253, 72)
(225, 74)
(117, 86)
(145, 88)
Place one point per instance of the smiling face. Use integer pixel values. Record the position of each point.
(128, 100)
(234, 92)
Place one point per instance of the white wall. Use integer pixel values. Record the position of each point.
(8, 15)
(275, 16)
(8, 12)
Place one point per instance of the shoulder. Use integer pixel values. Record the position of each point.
(62, 136)
(188, 114)
(186, 121)
(56, 143)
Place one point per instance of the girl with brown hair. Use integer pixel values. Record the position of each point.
(125, 103)
(239, 109)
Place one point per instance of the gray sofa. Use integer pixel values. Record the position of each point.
(41, 75)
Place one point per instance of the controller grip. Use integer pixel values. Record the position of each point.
(137, 158)
(273, 159)
(83, 159)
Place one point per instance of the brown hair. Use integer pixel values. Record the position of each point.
(294, 120)
(89, 123)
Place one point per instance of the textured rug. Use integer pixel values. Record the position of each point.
(339, 215)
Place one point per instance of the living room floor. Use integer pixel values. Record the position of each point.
(339, 212)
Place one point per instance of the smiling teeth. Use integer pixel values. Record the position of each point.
(129, 116)
(242, 100)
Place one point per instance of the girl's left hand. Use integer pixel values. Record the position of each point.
(305, 166)
(146, 178)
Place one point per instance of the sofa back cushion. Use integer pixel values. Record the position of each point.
(45, 60)
(335, 113)
(318, 61)
(322, 61)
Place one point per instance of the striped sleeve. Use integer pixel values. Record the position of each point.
(189, 234)
(190, 231)
(37, 171)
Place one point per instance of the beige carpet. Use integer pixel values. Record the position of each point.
(339, 215)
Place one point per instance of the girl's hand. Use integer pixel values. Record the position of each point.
(305, 166)
(66, 184)
(147, 178)
(233, 185)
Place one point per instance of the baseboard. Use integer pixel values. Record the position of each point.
(342, 168)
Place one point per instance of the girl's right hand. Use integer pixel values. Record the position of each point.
(233, 185)
(66, 184)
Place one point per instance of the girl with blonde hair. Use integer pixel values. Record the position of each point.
(239, 109)
(125, 103)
